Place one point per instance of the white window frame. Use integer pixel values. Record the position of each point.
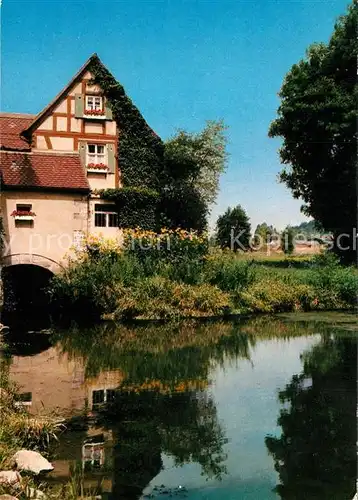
(92, 459)
(93, 106)
(106, 215)
(26, 402)
(96, 157)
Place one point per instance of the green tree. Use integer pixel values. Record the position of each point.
(263, 234)
(234, 229)
(193, 163)
(317, 121)
(287, 237)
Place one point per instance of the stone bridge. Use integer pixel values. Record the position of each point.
(31, 259)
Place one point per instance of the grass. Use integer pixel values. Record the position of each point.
(216, 284)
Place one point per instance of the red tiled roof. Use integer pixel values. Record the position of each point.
(11, 126)
(42, 170)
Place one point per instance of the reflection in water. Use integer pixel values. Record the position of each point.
(315, 455)
(140, 395)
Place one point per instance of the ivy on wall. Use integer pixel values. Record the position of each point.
(136, 206)
(140, 150)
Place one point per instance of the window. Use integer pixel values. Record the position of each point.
(96, 154)
(102, 396)
(93, 453)
(23, 208)
(94, 103)
(23, 212)
(23, 399)
(105, 216)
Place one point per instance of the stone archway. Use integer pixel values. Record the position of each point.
(31, 259)
(25, 279)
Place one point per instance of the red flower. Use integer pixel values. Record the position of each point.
(20, 213)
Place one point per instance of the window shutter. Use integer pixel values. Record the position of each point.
(109, 114)
(82, 148)
(79, 105)
(111, 159)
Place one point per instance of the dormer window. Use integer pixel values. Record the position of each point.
(94, 105)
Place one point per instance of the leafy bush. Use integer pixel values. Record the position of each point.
(177, 254)
(90, 285)
(228, 273)
(276, 296)
(336, 286)
(158, 297)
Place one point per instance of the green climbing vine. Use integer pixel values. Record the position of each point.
(140, 150)
(136, 206)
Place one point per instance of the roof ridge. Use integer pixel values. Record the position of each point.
(5, 114)
(52, 104)
(46, 153)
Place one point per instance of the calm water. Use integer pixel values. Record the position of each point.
(259, 409)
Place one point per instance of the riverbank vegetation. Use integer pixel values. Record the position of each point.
(20, 430)
(175, 274)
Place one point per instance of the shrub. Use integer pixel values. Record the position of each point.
(90, 285)
(158, 297)
(336, 286)
(169, 245)
(229, 273)
(276, 296)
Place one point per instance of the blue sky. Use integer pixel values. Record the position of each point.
(182, 62)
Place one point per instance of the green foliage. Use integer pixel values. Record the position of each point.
(228, 274)
(91, 285)
(158, 297)
(287, 240)
(233, 225)
(184, 172)
(309, 229)
(276, 296)
(167, 247)
(136, 206)
(159, 284)
(263, 234)
(317, 121)
(181, 205)
(198, 158)
(319, 413)
(335, 285)
(141, 151)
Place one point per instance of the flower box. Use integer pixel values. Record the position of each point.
(94, 113)
(22, 215)
(97, 168)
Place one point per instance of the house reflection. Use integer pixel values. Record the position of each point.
(51, 380)
(119, 425)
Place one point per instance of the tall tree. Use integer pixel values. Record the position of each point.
(317, 121)
(234, 229)
(287, 240)
(190, 183)
(264, 233)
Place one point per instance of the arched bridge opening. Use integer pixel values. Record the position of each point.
(25, 281)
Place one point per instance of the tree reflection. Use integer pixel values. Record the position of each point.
(148, 423)
(161, 406)
(315, 455)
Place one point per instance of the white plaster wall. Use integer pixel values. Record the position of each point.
(62, 143)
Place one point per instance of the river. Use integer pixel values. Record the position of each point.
(262, 408)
